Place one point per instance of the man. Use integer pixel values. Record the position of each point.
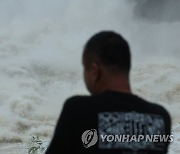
(112, 120)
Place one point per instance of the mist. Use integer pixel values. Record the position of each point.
(41, 45)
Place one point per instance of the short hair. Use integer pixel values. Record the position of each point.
(111, 49)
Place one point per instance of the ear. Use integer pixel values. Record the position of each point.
(96, 71)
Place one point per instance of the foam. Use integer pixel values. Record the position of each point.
(40, 49)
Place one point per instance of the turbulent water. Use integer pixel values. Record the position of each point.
(41, 44)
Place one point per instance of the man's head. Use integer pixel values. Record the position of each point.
(106, 60)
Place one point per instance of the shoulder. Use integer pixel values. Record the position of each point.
(77, 98)
(157, 108)
(160, 108)
(76, 101)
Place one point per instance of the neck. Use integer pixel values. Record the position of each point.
(117, 83)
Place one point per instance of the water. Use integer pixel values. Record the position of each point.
(41, 44)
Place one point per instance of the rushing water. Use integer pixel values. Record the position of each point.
(41, 44)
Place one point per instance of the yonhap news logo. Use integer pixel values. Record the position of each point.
(89, 138)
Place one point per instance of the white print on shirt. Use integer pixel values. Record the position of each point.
(129, 124)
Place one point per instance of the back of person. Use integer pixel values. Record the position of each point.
(111, 120)
(115, 116)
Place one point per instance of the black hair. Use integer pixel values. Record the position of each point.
(111, 49)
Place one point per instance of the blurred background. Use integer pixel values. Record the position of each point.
(41, 43)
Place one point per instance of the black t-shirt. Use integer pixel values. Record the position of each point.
(111, 123)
